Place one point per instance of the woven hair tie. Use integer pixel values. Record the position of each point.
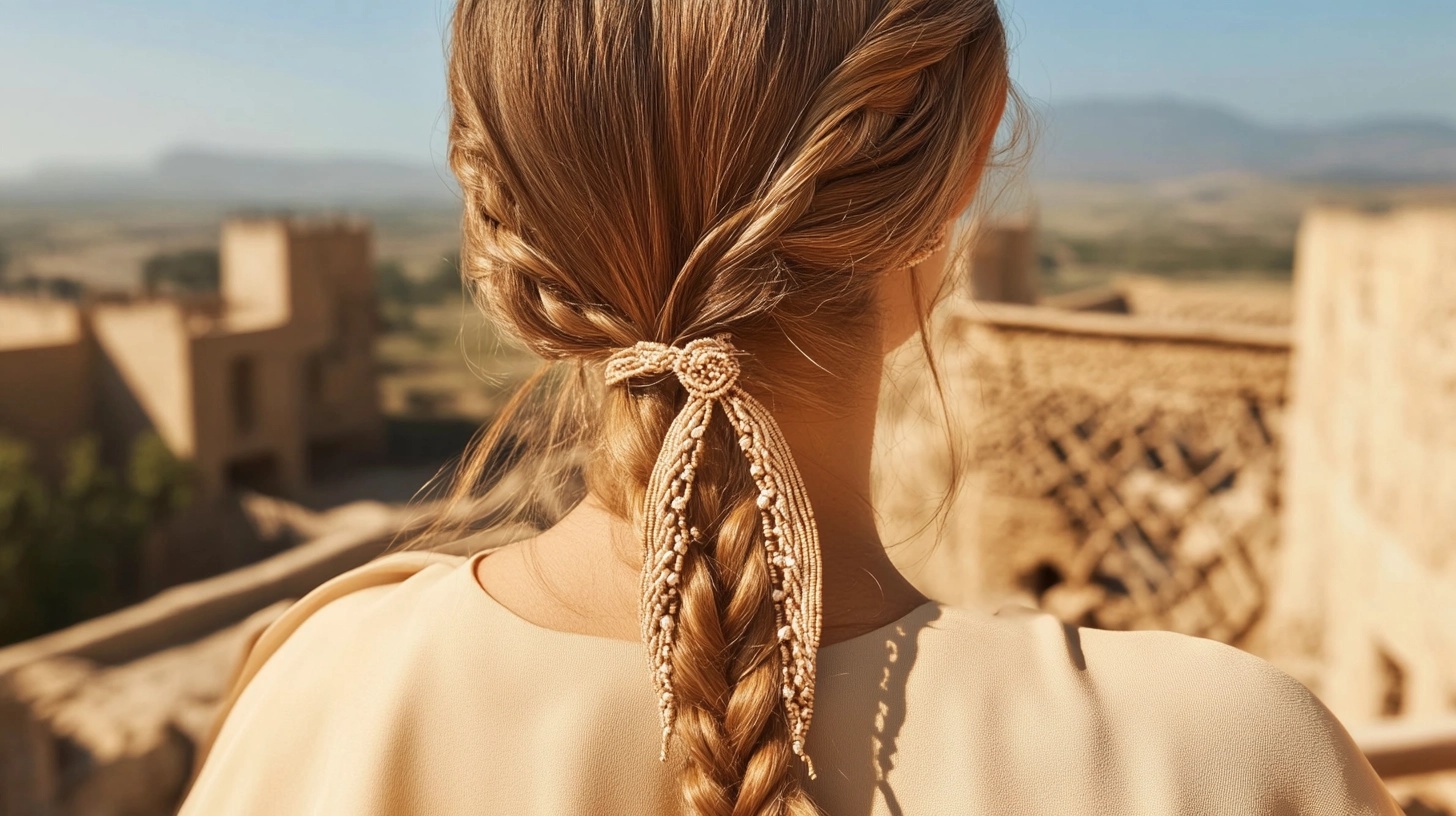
(708, 370)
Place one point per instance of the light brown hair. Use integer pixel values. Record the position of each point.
(648, 170)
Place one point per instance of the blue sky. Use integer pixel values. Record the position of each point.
(119, 81)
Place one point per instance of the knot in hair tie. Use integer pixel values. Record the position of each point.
(708, 370)
(706, 367)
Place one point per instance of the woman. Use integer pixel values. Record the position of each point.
(717, 216)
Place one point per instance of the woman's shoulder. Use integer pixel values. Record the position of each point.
(1144, 677)
(392, 578)
(416, 569)
(337, 611)
(1208, 710)
(1029, 640)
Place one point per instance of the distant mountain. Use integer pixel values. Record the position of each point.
(236, 178)
(1143, 140)
(1098, 139)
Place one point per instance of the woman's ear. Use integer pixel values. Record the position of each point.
(906, 296)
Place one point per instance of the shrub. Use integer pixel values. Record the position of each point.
(73, 550)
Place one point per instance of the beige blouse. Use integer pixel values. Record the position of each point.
(401, 687)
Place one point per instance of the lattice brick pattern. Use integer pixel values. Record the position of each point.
(1174, 508)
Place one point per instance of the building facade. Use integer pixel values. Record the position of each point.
(265, 386)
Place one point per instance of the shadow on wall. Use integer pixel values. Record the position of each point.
(120, 416)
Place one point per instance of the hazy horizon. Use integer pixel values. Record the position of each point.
(346, 154)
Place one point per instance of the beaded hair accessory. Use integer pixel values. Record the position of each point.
(708, 370)
(934, 245)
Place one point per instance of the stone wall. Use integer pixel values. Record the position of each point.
(1120, 471)
(1368, 583)
(27, 322)
(83, 737)
(1003, 264)
(48, 398)
(1255, 303)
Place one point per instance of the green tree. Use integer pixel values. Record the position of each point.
(160, 482)
(74, 550)
(91, 531)
(24, 511)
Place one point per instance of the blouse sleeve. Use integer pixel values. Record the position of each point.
(248, 737)
(1311, 765)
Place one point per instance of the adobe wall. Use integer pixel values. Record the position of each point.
(1119, 471)
(300, 316)
(277, 405)
(47, 397)
(254, 274)
(335, 311)
(1258, 303)
(26, 322)
(338, 257)
(1368, 584)
(1003, 267)
(145, 373)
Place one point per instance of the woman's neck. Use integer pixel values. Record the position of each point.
(582, 574)
(862, 588)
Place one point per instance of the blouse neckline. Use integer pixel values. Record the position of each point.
(928, 611)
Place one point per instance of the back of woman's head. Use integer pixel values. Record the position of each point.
(638, 170)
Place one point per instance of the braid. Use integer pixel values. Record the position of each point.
(731, 726)
(731, 738)
(642, 171)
